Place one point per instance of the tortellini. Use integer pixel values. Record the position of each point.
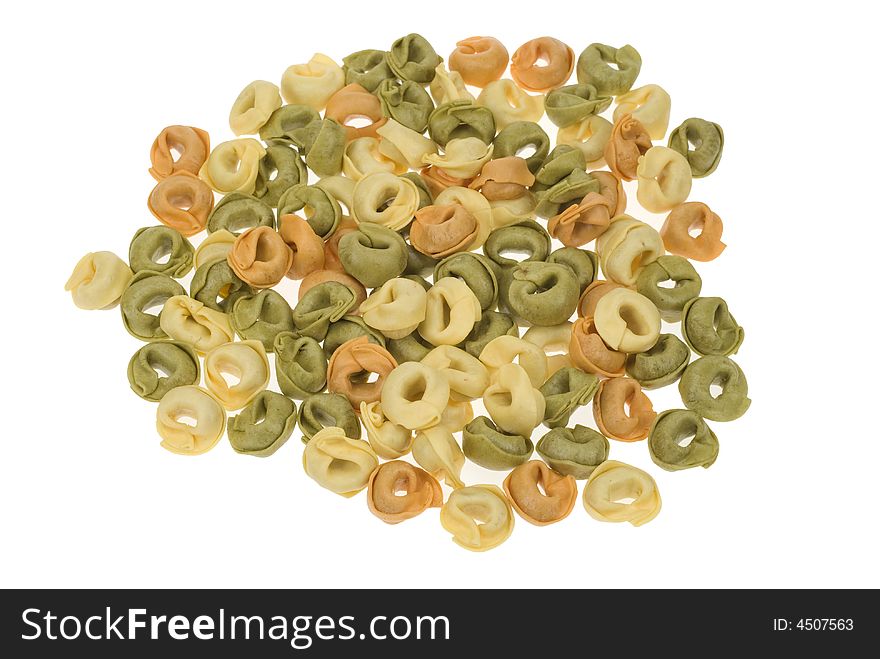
(237, 212)
(669, 301)
(396, 308)
(667, 441)
(260, 257)
(182, 202)
(510, 104)
(676, 236)
(622, 410)
(190, 144)
(573, 451)
(489, 447)
(650, 105)
(627, 321)
(696, 393)
(233, 166)
(300, 365)
(479, 60)
(145, 291)
(373, 254)
(664, 179)
(253, 107)
(626, 247)
(514, 350)
(339, 463)
(388, 439)
(629, 141)
(543, 293)
(244, 361)
(350, 365)
(321, 305)
(313, 83)
(317, 409)
(574, 103)
(708, 141)
(709, 328)
(611, 483)
(413, 58)
(540, 495)
(190, 402)
(565, 391)
(611, 70)
(367, 68)
(479, 517)
(514, 404)
(451, 311)
(459, 119)
(160, 366)
(189, 321)
(406, 102)
(589, 352)
(398, 491)
(353, 101)
(263, 426)
(558, 64)
(437, 452)
(554, 341)
(262, 317)
(660, 365)
(160, 249)
(415, 395)
(467, 376)
(440, 231)
(99, 280)
(385, 199)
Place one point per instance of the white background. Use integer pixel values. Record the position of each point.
(87, 496)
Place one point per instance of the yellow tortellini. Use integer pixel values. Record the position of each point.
(404, 145)
(467, 376)
(244, 361)
(626, 247)
(388, 439)
(479, 517)
(207, 415)
(312, 83)
(452, 311)
(649, 105)
(665, 179)
(253, 107)
(189, 321)
(514, 350)
(589, 136)
(362, 157)
(627, 321)
(515, 405)
(98, 280)
(396, 308)
(436, 451)
(338, 463)
(386, 199)
(462, 158)
(414, 395)
(612, 482)
(448, 86)
(554, 340)
(233, 166)
(509, 103)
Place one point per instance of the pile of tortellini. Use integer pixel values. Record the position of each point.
(423, 245)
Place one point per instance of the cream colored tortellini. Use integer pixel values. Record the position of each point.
(467, 376)
(627, 246)
(312, 83)
(253, 107)
(514, 404)
(190, 402)
(613, 481)
(665, 179)
(388, 439)
(362, 157)
(509, 103)
(448, 86)
(554, 340)
(338, 463)
(589, 136)
(462, 158)
(436, 451)
(627, 321)
(650, 105)
(452, 311)
(189, 321)
(216, 246)
(245, 361)
(479, 517)
(414, 395)
(98, 280)
(514, 350)
(397, 308)
(404, 145)
(386, 199)
(233, 166)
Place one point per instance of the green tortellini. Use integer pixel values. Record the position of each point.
(583, 262)
(562, 179)
(519, 136)
(573, 103)
(574, 451)
(593, 67)
(321, 305)
(708, 141)
(323, 141)
(461, 118)
(328, 410)
(697, 380)
(348, 328)
(559, 164)
(709, 328)
(279, 169)
(150, 244)
(263, 426)
(475, 270)
(300, 365)
(492, 448)
(566, 390)
(491, 325)
(528, 238)
(413, 58)
(322, 211)
(237, 212)
(160, 366)
(411, 348)
(543, 293)
(418, 264)
(660, 365)
(261, 317)
(425, 197)
(406, 102)
(147, 289)
(669, 301)
(285, 122)
(367, 68)
(665, 440)
(373, 254)
(217, 286)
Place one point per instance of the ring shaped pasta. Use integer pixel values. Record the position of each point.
(385, 199)
(491, 325)
(553, 199)
(462, 158)
(312, 83)
(457, 415)
(300, 365)
(561, 163)
(582, 262)
(363, 157)
(439, 231)
(553, 340)
(373, 254)
(152, 244)
(191, 145)
(451, 311)
(338, 463)
(320, 276)
(582, 222)
(263, 426)
(99, 280)
(543, 293)
(459, 119)
(437, 180)
(236, 213)
(590, 136)
(510, 104)
(696, 383)
(404, 145)
(260, 257)
(160, 366)
(527, 238)
(513, 402)
(286, 122)
(323, 143)
(214, 247)
(353, 102)
(675, 232)
(411, 348)
(414, 395)
(398, 491)
(669, 301)
(348, 328)
(280, 169)
(193, 403)
(321, 305)
(540, 495)
(664, 179)
(323, 410)
(305, 245)
(253, 107)
(189, 321)
(319, 207)
(389, 440)
(367, 68)
(448, 86)
(413, 58)
(475, 204)
(145, 290)
(406, 102)
(518, 137)
(589, 353)
(611, 70)
(245, 361)
(668, 447)
(614, 481)
(262, 316)
(627, 246)
(650, 105)
(627, 321)
(622, 410)
(233, 166)
(183, 202)
(628, 142)
(572, 104)
(591, 296)
(479, 517)
(709, 328)
(531, 76)
(661, 365)
(566, 390)
(395, 309)
(476, 271)
(708, 141)
(350, 366)
(504, 179)
(492, 448)
(575, 452)
(436, 451)
(479, 60)
(467, 376)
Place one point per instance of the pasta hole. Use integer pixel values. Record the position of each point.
(272, 175)
(264, 252)
(527, 151)
(185, 419)
(181, 201)
(613, 66)
(542, 62)
(176, 153)
(639, 261)
(154, 306)
(624, 501)
(385, 204)
(358, 121)
(416, 391)
(261, 415)
(517, 255)
(627, 408)
(504, 398)
(447, 314)
(716, 319)
(163, 252)
(160, 370)
(323, 419)
(633, 320)
(231, 378)
(696, 228)
(686, 440)
(540, 487)
(667, 283)
(716, 387)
